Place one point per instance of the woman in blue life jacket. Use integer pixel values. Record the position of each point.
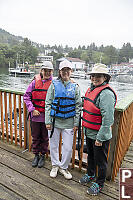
(34, 98)
(62, 112)
(98, 117)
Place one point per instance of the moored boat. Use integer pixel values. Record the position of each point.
(20, 71)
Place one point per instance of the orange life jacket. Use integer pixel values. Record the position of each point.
(39, 93)
(92, 117)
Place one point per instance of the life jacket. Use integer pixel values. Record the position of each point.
(92, 117)
(39, 93)
(63, 105)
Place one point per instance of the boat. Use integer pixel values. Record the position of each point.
(79, 74)
(20, 71)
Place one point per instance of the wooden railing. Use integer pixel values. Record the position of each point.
(122, 131)
(15, 129)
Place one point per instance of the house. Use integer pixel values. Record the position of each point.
(77, 64)
(41, 58)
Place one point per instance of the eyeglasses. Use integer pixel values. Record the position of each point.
(97, 75)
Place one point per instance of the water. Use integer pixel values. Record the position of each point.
(122, 89)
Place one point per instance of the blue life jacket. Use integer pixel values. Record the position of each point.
(63, 105)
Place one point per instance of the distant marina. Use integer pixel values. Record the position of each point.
(122, 84)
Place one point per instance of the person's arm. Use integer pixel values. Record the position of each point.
(106, 105)
(28, 97)
(48, 102)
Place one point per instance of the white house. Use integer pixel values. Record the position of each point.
(41, 58)
(77, 64)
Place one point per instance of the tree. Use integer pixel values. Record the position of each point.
(84, 56)
(112, 54)
(125, 53)
(75, 54)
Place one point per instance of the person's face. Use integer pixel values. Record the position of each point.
(65, 73)
(46, 73)
(97, 79)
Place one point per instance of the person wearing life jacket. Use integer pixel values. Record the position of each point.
(62, 105)
(34, 98)
(98, 117)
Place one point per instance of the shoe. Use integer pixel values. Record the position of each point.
(41, 161)
(66, 173)
(54, 171)
(35, 161)
(94, 189)
(86, 179)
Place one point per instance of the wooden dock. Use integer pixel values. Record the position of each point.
(20, 181)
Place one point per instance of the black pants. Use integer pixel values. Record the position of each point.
(97, 156)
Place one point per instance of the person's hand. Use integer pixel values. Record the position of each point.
(36, 113)
(48, 127)
(98, 143)
(75, 128)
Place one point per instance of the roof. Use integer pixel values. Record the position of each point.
(71, 59)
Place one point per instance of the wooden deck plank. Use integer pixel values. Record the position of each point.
(72, 189)
(26, 187)
(6, 194)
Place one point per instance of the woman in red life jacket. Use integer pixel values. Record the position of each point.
(34, 98)
(98, 117)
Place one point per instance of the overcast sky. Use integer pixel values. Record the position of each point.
(69, 22)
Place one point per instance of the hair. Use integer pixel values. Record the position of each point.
(107, 78)
(59, 76)
(41, 75)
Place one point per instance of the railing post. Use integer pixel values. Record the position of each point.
(74, 149)
(113, 143)
(2, 118)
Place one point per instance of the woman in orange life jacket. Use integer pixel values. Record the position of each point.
(34, 98)
(98, 117)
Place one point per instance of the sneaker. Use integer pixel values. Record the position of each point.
(35, 161)
(86, 179)
(66, 173)
(94, 189)
(41, 161)
(54, 171)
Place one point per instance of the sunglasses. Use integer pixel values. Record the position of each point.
(97, 75)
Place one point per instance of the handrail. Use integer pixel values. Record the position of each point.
(124, 103)
(12, 107)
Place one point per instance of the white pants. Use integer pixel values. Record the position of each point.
(67, 143)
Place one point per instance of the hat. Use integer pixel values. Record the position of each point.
(47, 65)
(65, 63)
(100, 68)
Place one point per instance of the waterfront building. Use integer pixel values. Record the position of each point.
(41, 58)
(77, 64)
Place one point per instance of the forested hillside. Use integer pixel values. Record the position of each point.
(7, 38)
(16, 47)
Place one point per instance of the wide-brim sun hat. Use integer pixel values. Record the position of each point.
(100, 68)
(65, 63)
(47, 65)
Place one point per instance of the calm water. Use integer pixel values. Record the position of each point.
(21, 83)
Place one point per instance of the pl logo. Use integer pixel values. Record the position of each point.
(126, 184)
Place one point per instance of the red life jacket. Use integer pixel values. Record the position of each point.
(92, 117)
(39, 93)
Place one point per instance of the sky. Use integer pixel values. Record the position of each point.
(69, 22)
